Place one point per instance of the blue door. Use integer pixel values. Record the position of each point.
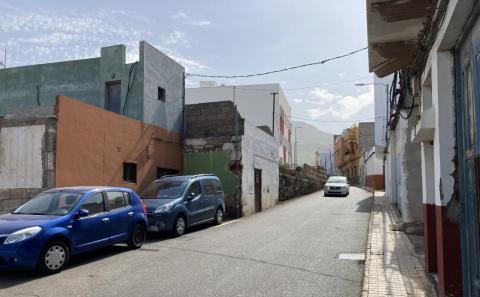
(92, 231)
(468, 142)
(121, 215)
(193, 203)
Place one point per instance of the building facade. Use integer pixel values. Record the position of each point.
(432, 50)
(150, 90)
(262, 105)
(73, 143)
(244, 157)
(347, 154)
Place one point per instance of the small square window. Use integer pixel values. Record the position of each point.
(161, 94)
(130, 172)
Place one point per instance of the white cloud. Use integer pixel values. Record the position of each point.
(201, 23)
(175, 37)
(297, 100)
(342, 74)
(338, 106)
(36, 37)
(179, 15)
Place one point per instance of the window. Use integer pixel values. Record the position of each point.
(161, 94)
(208, 187)
(166, 171)
(127, 198)
(130, 172)
(94, 204)
(194, 189)
(217, 186)
(115, 200)
(113, 98)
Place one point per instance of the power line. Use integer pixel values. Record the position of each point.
(335, 121)
(279, 70)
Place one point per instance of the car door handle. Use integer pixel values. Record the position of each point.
(106, 220)
(130, 214)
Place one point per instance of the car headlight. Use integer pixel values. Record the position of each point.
(164, 208)
(326, 187)
(23, 234)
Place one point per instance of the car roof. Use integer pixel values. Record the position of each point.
(85, 189)
(188, 177)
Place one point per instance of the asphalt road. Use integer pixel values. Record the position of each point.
(288, 250)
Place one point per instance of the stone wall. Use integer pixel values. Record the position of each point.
(301, 181)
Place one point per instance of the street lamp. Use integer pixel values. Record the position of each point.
(295, 161)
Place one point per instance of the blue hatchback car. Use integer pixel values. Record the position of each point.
(44, 232)
(175, 203)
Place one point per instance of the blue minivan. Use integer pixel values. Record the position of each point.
(44, 232)
(175, 203)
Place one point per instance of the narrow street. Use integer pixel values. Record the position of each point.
(288, 250)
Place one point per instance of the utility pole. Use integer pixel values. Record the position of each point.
(295, 159)
(237, 177)
(331, 169)
(273, 113)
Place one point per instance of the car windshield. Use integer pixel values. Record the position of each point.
(165, 189)
(336, 180)
(50, 203)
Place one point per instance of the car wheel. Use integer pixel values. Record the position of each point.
(218, 216)
(54, 257)
(137, 237)
(179, 226)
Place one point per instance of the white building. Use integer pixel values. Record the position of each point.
(263, 105)
(433, 144)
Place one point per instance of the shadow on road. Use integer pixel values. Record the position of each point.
(365, 205)
(11, 278)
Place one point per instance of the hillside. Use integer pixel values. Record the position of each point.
(310, 140)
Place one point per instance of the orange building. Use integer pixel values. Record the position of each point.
(347, 154)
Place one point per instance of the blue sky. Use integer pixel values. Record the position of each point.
(213, 37)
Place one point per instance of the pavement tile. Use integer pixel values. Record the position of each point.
(392, 268)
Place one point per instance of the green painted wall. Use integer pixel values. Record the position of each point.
(84, 80)
(212, 162)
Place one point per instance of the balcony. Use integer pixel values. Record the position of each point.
(424, 128)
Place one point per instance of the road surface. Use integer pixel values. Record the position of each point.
(289, 250)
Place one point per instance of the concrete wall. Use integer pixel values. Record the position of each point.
(27, 158)
(212, 119)
(159, 70)
(255, 104)
(259, 151)
(84, 80)
(93, 144)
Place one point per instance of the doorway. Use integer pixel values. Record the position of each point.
(258, 190)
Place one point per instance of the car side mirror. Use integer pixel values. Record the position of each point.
(82, 213)
(191, 196)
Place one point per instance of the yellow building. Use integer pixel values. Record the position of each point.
(347, 154)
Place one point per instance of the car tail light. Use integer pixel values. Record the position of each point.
(144, 206)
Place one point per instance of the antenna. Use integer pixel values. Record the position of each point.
(4, 63)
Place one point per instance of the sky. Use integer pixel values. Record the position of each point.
(216, 38)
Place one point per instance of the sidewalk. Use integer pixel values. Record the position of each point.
(392, 268)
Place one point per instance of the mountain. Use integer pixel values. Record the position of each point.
(310, 140)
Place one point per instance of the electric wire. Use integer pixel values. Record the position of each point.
(279, 70)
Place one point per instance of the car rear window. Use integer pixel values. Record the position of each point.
(115, 200)
(217, 186)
